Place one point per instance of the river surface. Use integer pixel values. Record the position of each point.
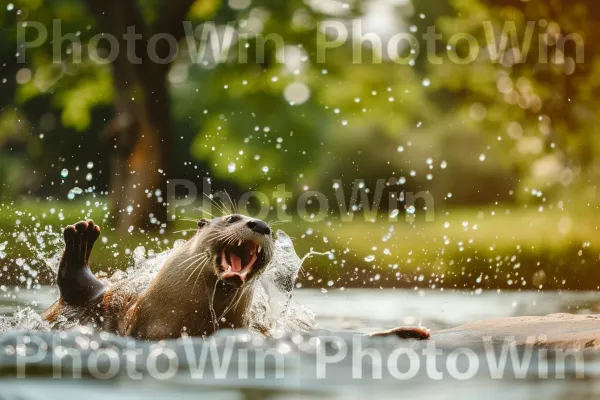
(339, 312)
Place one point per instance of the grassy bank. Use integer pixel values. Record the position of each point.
(483, 248)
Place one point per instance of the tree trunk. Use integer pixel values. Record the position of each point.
(140, 150)
(139, 136)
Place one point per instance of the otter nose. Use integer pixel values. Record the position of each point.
(259, 227)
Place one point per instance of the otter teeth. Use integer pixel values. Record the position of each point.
(240, 242)
(259, 249)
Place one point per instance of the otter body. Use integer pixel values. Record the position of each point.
(205, 285)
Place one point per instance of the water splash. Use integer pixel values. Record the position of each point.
(272, 305)
(272, 309)
(25, 319)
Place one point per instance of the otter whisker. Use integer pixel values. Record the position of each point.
(188, 219)
(224, 206)
(196, 265)
(212, 202)
(231, 238)
(198, 259)
(199, 274)
(215, 236)
(218, 234)
(194, 256)
(194, 259)
(276, 223)
(203, 211)
(202, 263)
(219, 207)
(227, 237)
(186, 230)
(233, 205)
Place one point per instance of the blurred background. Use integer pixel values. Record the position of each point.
(507, 147)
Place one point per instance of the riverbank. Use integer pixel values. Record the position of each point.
(491, 248)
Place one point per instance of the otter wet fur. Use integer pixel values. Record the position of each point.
(205, 285)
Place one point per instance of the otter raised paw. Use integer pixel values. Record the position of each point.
(77, 285)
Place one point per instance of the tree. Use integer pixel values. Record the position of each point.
(140, 133)
(533, 96)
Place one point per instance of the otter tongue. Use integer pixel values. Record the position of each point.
(236, 262)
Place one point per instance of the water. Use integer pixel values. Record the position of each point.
(291, 364)
(370, 310)
(339, 311)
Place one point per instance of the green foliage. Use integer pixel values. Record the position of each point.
(83, 95)
(537, 107)
(535, 123)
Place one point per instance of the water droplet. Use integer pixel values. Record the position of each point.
(426, 82)
(10, 6)
(370, 258)
(64, 173)
(265, 169)
(231, 167)
(411, 210)
(394, 213)
(90, 165)
(482, 157)
(296, 93)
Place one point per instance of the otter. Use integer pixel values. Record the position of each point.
(205, 285)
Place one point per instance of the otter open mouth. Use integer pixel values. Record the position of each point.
(239, 260)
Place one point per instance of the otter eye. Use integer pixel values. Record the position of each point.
(233, 218)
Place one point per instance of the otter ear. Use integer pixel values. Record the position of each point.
(202, 223)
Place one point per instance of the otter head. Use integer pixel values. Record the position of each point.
(241, 247)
